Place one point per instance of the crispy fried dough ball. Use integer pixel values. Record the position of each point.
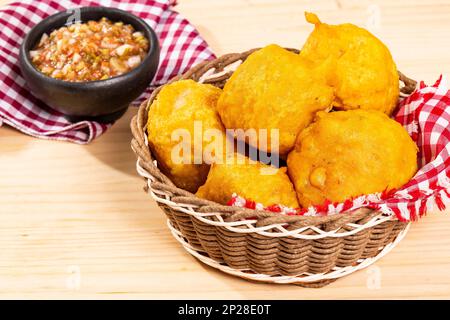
(179, 108)
(249, 179)
(365, 75)
(274, 89)
(349, 153)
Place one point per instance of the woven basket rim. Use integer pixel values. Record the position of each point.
(215, 72)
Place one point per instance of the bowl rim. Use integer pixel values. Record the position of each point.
(152, 51)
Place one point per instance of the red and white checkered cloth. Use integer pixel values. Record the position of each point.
(181, 48)
(425, 114)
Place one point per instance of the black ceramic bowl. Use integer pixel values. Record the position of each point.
(102, 100)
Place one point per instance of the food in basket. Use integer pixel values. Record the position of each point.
(338, 157)
(330, 156)
(178, 119)
(365, 75)
(274, 89)
(95, 50)
(344, 154)
(251, 180)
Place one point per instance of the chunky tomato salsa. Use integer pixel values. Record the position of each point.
(96, 50)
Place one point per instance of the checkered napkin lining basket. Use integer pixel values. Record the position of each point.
(310, 251)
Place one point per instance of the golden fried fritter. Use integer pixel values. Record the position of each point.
(274, 89)
(180, 108)
(365, 75)
(349, 153)
(249, 179)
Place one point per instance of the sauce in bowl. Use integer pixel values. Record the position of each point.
(95, 50)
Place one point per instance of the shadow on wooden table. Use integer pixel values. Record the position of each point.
(114, 147)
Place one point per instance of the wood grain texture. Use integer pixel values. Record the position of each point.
(75, 223)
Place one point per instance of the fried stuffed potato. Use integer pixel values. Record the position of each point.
(249, 179)
(364, 73)
(345, 154)
(274, 89)
(184, 109)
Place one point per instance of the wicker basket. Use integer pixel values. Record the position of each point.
(260, 245)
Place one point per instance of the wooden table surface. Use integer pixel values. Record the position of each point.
(75, 223)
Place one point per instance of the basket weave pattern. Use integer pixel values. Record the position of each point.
(306, 250)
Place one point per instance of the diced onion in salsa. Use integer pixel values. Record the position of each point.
(96, 50)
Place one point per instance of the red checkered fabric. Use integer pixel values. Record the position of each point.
(181, 48)
(425, 114)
